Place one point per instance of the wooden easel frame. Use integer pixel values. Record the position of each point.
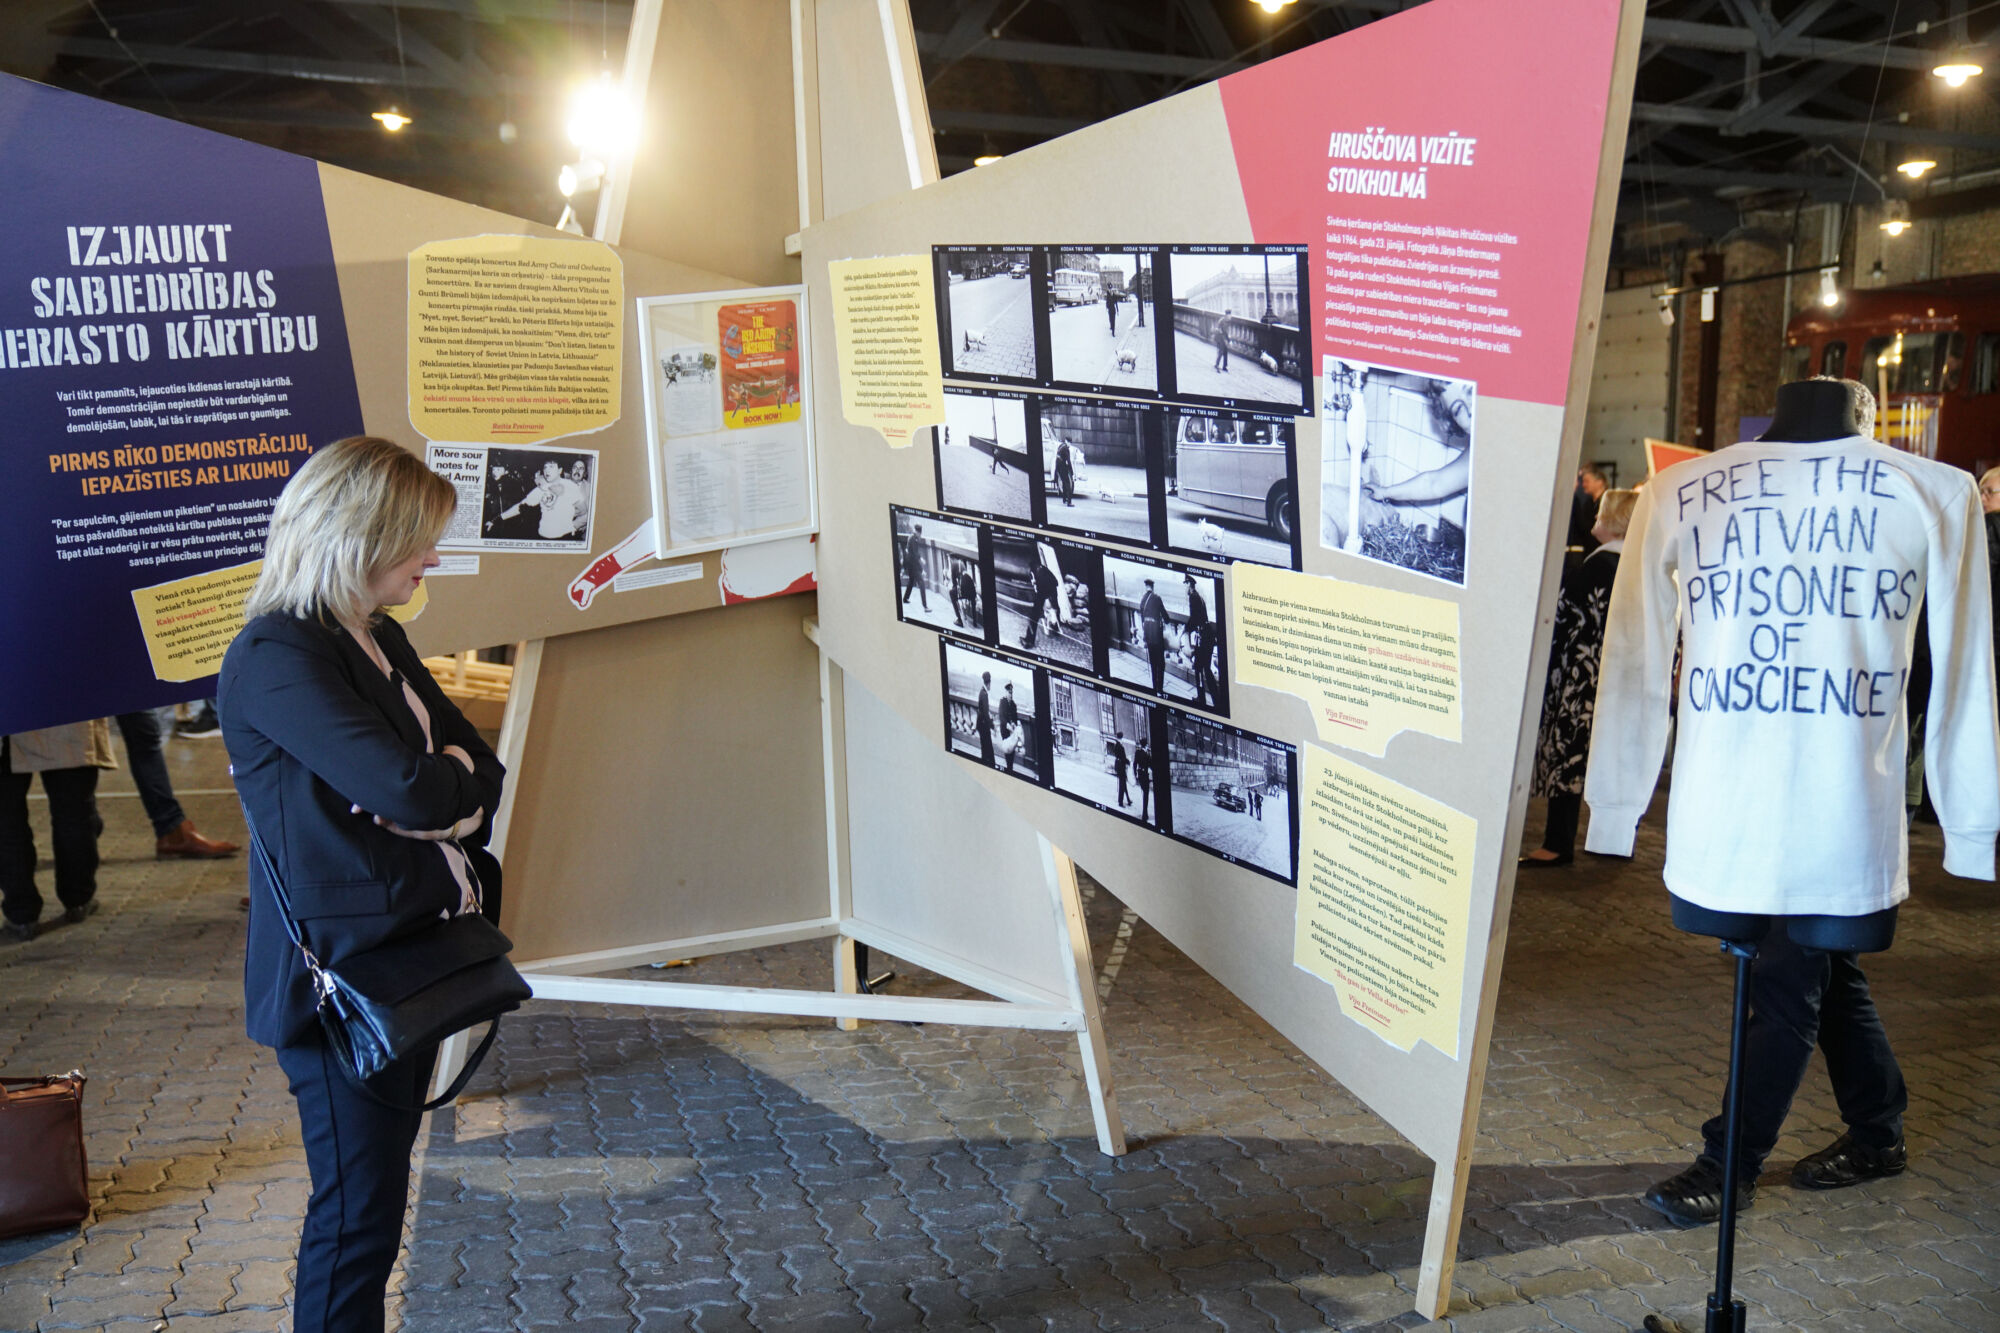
(1017, 1004)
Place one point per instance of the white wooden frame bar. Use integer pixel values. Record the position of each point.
(1018, 1004)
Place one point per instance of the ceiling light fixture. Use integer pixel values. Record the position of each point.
(1957, 69)
(1896, 226)
(1829, 285)
(986, 159)
(392, 119)
(587, 174)
(1272, 6)
(1916, 167)
(601, 120)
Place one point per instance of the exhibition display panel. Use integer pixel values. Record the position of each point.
(1181, 496)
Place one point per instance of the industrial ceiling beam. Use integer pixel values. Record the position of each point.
(1080, 57)
(311, 68)
(949, 121)
(1816, 127)
(1834, 189)
(1721, 37)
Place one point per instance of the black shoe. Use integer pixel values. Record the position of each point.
(1846, 1162)
(1694, 1197)
(81, 912)
(1545, 863)
(204, 726)
(18, 930)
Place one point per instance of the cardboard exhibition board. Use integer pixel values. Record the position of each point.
(1454, 214)
(648, 719)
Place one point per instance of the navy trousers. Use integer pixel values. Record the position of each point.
(1800, 998)
(149, 770)
(358, 1151)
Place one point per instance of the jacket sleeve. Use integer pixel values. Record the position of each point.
(449, 726)
(1961, 736)
(297, 694)
(1628, 739)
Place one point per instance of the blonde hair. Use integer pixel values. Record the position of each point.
(1988, 475)
(358, 507)
(1614, 510)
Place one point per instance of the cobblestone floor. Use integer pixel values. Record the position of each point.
(623, 1170)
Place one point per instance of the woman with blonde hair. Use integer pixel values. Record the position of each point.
(1570, 698)
(370, 795)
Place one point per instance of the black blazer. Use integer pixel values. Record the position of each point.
(313, 728)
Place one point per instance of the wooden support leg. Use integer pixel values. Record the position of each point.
(1441, 1236)
(1090, 1039)
(846, 978)
(513, 740)
(450, 1059)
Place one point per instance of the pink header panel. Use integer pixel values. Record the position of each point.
(1442, 164)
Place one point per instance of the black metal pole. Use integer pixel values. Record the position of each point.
(1725, 1313)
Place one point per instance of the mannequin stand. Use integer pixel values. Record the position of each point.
(1726, 1314)
(1739, 934)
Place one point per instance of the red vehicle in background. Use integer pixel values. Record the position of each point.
(1931, 353)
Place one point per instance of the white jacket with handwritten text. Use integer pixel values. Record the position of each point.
(1794, 573)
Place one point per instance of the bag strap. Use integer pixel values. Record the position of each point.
(465, 1074)
(27, 1085)
(277, 883)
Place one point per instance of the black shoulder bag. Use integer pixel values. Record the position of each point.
(408, 993)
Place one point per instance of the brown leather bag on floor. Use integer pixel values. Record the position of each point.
(44, 1180)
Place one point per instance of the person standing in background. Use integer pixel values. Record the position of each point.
(1201, 638)
(1142, 772)
(1562, 746)
(983, 717)
(174, 833)
(1046, 587)
(1120, 762)
(579, 480)
(371, 796)
(1010, 725)
(910, 555)
(1590, 487)
(1153, 628)
(68, 758)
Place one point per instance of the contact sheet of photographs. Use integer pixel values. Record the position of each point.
(1132, 622)
(1212, 324)
(1227, 791)
(1204, 482)
(1143, 395)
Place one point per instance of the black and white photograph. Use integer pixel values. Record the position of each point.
(515, 499)
(1103, 749)
(1233, 487)
(1164, 630)
(1045, 598)
(991, 714)
(1406, 437)
(1103, 327)
(1231, 793)
(940, 578)
(1095, 474)
(987, 307)
(1238, 340)
(985, 460)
